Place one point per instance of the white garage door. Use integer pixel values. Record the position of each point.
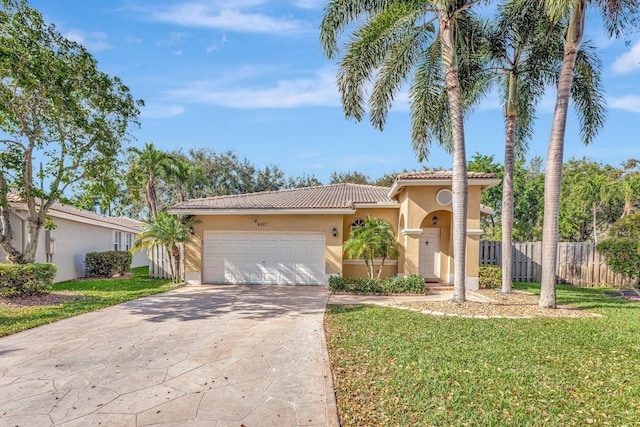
(264, 258)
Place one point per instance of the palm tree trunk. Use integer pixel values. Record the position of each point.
(169, 250)
(459, 181)
(176, 256)
(152, 198)
(507, 183)
(384, 257)
(553, 173)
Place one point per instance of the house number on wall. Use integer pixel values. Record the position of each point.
(262, 224)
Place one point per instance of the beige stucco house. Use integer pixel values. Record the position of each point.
(78, 232)
(296, 236)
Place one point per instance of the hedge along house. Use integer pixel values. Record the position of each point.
(296, 236)
(77, 233)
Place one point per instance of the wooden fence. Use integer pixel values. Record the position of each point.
(159, 267)
(579, 264)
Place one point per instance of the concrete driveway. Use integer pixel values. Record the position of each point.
(196, 356)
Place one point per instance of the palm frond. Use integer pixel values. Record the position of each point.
(398, 63)
(339, 14)
(587, 93)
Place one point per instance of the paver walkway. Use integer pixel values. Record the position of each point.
(196, 356)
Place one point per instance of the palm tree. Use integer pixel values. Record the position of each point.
(526, 51)
(629, 188)
(185, 176)
(373, 239)
(592, 190)
(431, 40)
(168, 232)
(616, 15)
(149, 165)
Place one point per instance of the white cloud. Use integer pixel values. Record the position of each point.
(217, 45)
(310, 4)
(629, 103)
(628, 61)
(173, 39)
(161, 111)
(92, 41)
(232, 16)
(317, 90)
(177, 52)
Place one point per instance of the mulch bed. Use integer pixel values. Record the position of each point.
(42, 299)
(497, 305)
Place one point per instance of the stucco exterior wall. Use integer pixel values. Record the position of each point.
(418, 206)
(352, 269)
(266, 223)
(446, 244)
(72, 241)
(70, 252)
(473, 237)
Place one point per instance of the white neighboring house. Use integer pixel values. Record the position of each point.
(78, 232)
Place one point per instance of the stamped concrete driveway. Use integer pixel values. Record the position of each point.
(196, 356)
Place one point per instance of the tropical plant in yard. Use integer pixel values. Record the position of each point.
(629, 189)
(621, 248)
(148, 166)
(526, 51)
(432, 43)
(183, 175)
(592, 190)
(168, 232)
(372, 240)
(616, 15)
(589, 203)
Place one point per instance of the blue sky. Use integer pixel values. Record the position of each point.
(249, 75)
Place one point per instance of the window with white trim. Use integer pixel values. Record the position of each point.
(117, 240)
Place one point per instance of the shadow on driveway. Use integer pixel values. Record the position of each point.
(242, 301)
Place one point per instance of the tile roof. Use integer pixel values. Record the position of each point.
(335, 196)
(443, 175)
(13, 197)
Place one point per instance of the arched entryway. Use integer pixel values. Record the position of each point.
(434, 260)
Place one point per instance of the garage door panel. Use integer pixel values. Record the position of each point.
(270, 258)
(252, 250)
(286, 251)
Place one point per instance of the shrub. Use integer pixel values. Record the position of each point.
(26, 279)
(106, 264)
(622, 254)
(490, 276)
(394, 285)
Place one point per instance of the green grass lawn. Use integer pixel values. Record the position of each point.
(395, 367)
(95, 294)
